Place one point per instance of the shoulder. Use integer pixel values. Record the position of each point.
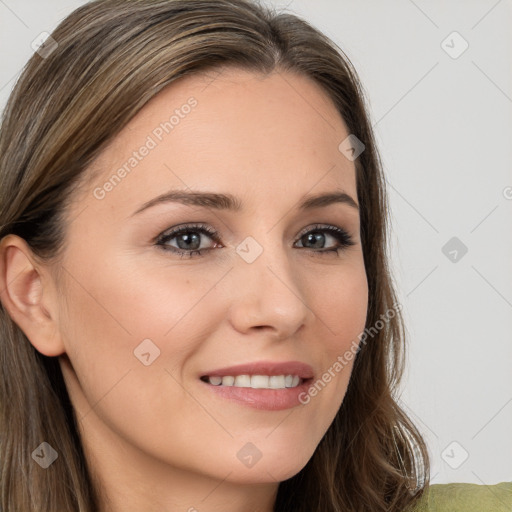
(463, 497)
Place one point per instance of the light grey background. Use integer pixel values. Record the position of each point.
(444, 130)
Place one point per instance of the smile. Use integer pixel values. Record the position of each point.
(255, 381)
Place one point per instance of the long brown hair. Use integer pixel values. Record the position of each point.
(110, 58)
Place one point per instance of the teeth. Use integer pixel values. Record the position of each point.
(227, 381)
(256, 381)
(242, 381)
(277, 381)
(259, 381)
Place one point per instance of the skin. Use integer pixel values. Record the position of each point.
(155, 437)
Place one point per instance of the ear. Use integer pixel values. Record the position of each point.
(27, 294)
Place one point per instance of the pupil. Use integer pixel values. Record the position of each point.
(189, 239)
(316, 237)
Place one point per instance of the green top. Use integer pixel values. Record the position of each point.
(462, 497)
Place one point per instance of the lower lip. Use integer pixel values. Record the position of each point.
(265, 399)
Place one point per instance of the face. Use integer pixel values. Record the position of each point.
(155, 301)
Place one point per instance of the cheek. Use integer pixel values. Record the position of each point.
(114, 318)
(128, 303)
(107, 316)
(340, 302)
(103, 325)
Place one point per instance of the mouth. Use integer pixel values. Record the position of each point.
(255, 381)
(265, 385)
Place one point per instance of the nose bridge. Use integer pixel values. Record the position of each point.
(268, 291)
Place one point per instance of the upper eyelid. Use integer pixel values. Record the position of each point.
(172, 232)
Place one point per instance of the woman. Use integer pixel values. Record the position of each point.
(197, 310)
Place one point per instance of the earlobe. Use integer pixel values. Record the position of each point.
(25, 297)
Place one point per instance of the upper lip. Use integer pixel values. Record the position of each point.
(303, 370)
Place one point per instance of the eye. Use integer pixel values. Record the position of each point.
(317, 236)
(188, 239)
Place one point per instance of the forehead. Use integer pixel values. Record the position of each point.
(255, 135)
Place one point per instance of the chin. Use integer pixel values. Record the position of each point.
(277, 467)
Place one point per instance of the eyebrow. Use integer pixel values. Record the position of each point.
(229, 202)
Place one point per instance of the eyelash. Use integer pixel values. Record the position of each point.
(341, 235)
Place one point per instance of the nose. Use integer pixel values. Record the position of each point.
(268, 294)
